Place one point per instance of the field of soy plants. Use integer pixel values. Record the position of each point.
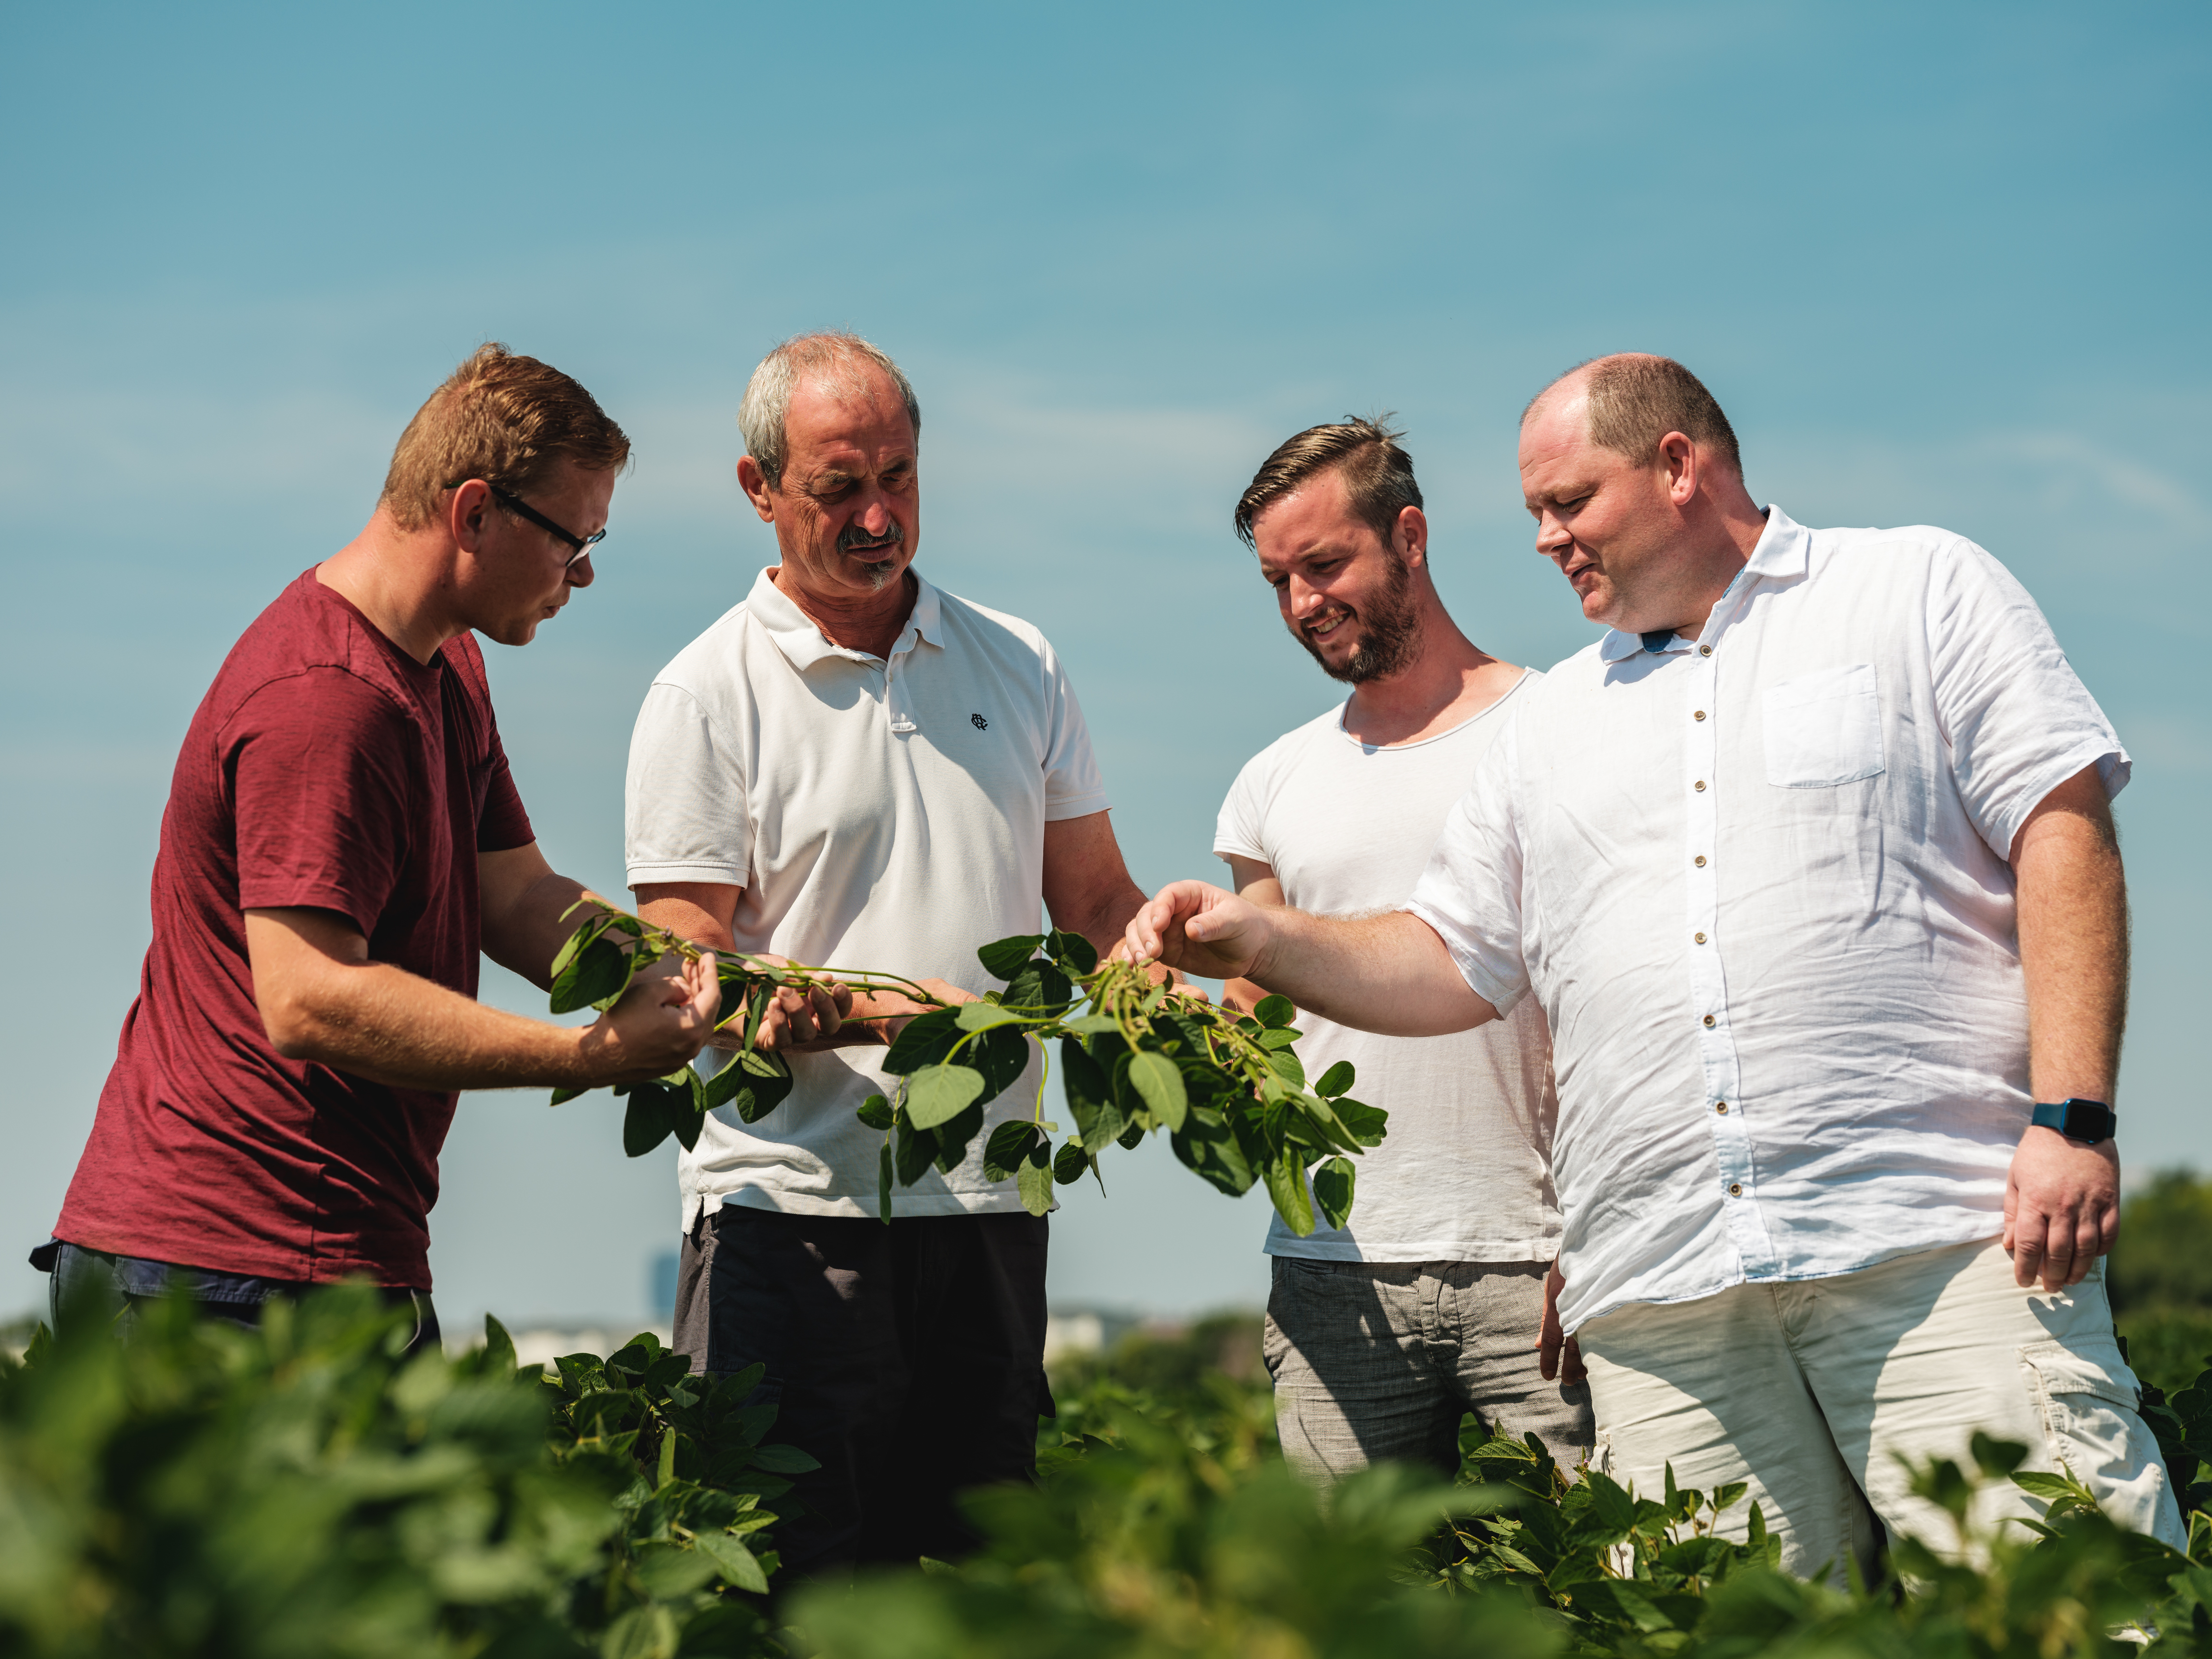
(309, 1490)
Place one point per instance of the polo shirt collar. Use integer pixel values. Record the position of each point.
(804, 645)
(1780, 554)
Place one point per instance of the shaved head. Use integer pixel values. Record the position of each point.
(1635, 400)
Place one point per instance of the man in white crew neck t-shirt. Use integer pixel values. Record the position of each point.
(1427, 1304)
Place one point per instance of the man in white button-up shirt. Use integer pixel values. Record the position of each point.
(853, 768)
(1810, 864)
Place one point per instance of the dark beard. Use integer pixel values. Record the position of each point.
(1389, 635)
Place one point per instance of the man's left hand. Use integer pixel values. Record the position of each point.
(2062, 1207)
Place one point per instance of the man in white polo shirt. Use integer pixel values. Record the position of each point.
(1810, 863)
(854, 768)
(1381, 1334)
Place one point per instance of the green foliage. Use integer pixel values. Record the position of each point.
(1136, 1059)
(2163, 1261)
(306, 1489)
(1164, 1525)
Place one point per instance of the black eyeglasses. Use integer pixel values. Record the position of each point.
(522, 509)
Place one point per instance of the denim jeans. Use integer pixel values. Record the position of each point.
(1380, 1359)
(111, 1287)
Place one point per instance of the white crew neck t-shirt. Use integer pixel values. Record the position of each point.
(879, 813)
(1464, 1174)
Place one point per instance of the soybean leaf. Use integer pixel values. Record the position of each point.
(1275, 1012)
(1069, 1163)
(883, 1183)
(1337, 1080)
(733, 1560)
(952, 1138)
(938, 1094)
(1210, 1150)
(1001, 1055)
(1076, 954)
(1090, 1096)
(983, 1016)
(756, 1082)
(599, 970)
(1287, 1067)
(687, 1117)
(784, 1460)
(562, 1097)
(1008, 1149)
(925, 1040)
(1277, 1037)
(1332, 1189)
(917, 1150)
(1042, 986)
(575, 944)
(1089, 1024)
(875, 1112)
(1129, 1136)
(1365, 1122)
(646, 1123)
(1003, 958)
(1159, 1084)
(1034, 1179)
(1286, 1185)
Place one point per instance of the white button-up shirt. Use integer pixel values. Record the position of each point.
(879, 812)
(1759, 881)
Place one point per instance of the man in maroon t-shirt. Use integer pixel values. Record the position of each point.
(342, 838)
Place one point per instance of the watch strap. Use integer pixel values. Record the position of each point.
(2086, 1121)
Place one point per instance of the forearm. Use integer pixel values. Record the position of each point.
(2073, 917)
(525, 940)
(1102, 916)
(381, 1022)
(1388, 974)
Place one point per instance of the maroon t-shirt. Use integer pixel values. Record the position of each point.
(326, 769)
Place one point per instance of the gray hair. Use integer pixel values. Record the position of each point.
(840, 358)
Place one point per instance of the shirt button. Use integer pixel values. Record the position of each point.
(1699, 715)
(1735, 1189)
(1721, 1107)
(1700, 786)
(1701, 939)
(1709, 1022)
(1704, 651)
(1699, 860)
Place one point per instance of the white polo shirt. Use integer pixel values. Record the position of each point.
(1759, 883)
(1464, 1174)
(878, 814)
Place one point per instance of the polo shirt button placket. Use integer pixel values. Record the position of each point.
(902, 724)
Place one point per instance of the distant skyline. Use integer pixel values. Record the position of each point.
(1939, 264)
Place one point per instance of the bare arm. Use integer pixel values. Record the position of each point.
(321, 999)
(1387, 973)
(702, 911)
(523, 903)
(1256, 884)
(1086, 883)
(2063, 1199)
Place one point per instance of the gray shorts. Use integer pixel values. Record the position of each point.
(1376, 1360)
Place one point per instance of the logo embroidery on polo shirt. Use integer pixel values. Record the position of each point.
(982, 725)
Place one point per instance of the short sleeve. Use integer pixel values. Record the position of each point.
(1471, 891)
(1237, 831)
(327, 794)
(1072, 785)
(2018, 718)
(685, 814)
(503, 824)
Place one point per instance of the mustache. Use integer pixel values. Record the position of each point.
(854, 539)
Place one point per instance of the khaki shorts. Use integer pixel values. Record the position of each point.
(1812, 1391)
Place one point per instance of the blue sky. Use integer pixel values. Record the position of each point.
(1941, 263)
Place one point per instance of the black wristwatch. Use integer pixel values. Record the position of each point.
(2086, 1121)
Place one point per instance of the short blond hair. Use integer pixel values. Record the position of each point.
(506, 419)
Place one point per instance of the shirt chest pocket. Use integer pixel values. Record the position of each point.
(1824, 729)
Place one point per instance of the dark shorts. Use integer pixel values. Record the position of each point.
(111, 1287)
(907, 1358)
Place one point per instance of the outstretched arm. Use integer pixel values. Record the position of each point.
(2063, 1199)
(1387, 972)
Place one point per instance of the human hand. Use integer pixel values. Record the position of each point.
(1559, 1356)
(664, 1019)
(2062, 1207)
(1201, 928)
(889, 1012)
